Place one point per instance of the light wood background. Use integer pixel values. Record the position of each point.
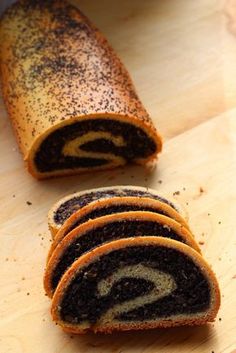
(182, 57)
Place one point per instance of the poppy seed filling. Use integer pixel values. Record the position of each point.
(137, 144)
(83, 302)
(106, 233)
(99, 212)
(67, 208)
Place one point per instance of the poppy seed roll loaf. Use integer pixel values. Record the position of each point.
(72, 103)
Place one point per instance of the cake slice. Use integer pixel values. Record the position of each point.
(66, 206)
(93, 233)
(136, 283)
(113, 205)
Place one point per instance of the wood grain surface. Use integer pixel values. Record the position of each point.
(182, 57)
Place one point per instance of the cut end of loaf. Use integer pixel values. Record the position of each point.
(93, 143)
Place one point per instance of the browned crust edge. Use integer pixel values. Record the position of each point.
(122, 243)
(80, 230)
(119, 200)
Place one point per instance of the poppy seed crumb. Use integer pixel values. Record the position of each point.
(176, 193)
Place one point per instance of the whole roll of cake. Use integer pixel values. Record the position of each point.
(72, 103)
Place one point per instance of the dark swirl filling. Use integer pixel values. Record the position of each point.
(68, 207)
(106, 210)
(50, 157)
(111, 231)
(82, 302)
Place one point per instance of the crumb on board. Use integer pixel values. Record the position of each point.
(201, 190)
(14, 195)
(23, 278)
(176, 193)
(219, 222)
(29, 203)
(220, 319)
(160, 181)
(201, 242)
(28, 293)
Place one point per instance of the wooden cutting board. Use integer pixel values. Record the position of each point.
(182, 57)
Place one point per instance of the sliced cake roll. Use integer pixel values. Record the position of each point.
(65, 207)
(113, 205)
(136, 283)
(72, 103)
(93, 233)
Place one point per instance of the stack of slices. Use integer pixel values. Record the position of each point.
(124, 258)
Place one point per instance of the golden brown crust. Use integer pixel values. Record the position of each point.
(54, 227)
(53, 230)
(114, 201)
(91, 256)
(55, 254)
(139, 326)
(56, 69)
